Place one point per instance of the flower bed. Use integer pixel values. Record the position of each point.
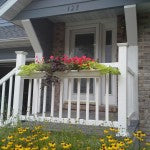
(37, 138)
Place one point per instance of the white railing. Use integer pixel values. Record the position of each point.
(6, 98)
(60, 104)
(62, 108)
(132, 85)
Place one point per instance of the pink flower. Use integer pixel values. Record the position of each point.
(51, 57)
(36, 59)
(42, 60)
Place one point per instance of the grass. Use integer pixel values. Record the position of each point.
(38, 138)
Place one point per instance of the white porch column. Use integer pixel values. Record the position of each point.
(19, 85)
(38, 53)
(131, 24)
(122, 87)
(132, 40)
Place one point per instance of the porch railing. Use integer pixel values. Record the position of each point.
(44, 104)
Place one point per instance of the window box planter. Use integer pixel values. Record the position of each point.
(78, 74)
(35, 75)
(66, 74)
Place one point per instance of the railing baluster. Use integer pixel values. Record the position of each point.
(39, 97)
(87, 98)
(107, 99)
(9, 97)
(29, 97)
(44, 101)
(3, 99)
(78, 98)
(97, 89)
(52, 100)
(61, 98)
(69, 98)
(35, 97)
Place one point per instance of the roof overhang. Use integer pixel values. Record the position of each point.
(12, 7)
(15, 42)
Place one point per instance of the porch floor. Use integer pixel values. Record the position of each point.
(113, 116)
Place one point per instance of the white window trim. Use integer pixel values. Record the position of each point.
(69, 29)
(101, 25)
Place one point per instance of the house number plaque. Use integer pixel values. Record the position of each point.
(73, 7)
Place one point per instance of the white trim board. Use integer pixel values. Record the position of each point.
(12, 7)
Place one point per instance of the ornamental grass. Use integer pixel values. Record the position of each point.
(37, 138)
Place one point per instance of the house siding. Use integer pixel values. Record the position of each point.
(9, 53)
(45, 8)
(144, 72)
(59, 37)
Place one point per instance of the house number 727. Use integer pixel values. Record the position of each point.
(74, 7)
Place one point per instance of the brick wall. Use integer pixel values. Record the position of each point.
(58, 49)
(121, 29)
(144, 72)
(59, 38)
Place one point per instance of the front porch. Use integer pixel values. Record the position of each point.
(55, 103)
(83, 99)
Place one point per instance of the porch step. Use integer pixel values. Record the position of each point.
(112, 109)
(96, 130)
(133, 126)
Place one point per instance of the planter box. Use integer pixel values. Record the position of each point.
(36, 75)
(67, 74)
(78, 74)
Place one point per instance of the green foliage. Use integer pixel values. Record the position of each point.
(28, 70)
(103, 69)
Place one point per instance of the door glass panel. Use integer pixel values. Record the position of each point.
(108, 47)
(84, 46)
(108, 54)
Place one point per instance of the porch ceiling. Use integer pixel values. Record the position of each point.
(92, 15)
(99, 14)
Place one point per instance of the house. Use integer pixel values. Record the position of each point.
(116, 32)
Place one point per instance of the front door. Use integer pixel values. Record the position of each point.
(98, 43)
(83, 44)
